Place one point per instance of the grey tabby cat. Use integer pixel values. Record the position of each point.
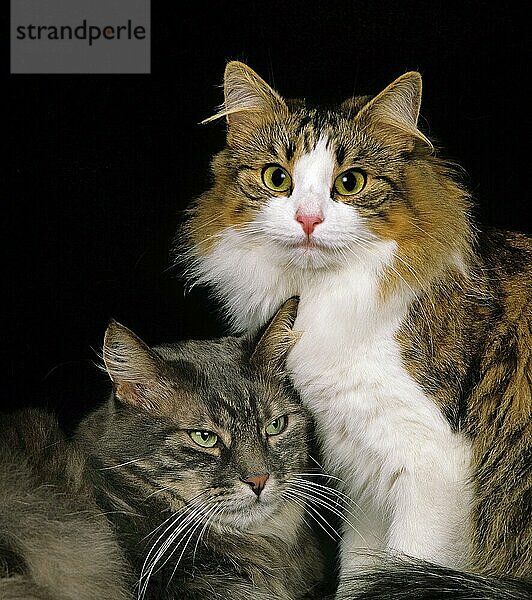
(191, 480)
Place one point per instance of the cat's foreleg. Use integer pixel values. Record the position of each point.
(430, 509)
(431, 520)
(424, 514)
(363, 542)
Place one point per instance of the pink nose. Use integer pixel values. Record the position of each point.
(308, 222)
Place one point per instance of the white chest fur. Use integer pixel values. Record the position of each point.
(348, 368)
(381, 435)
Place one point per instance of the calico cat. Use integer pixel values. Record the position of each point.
(415, 356)
(191, 480)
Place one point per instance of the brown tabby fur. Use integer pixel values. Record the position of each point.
(481, 376)
(54, 534)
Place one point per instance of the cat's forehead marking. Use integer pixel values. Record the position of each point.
(340, 153)
(313, 171)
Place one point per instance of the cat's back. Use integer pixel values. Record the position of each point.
(32, 441)
(34, 454)
(506, 275)
(54, 540)
(507, 262)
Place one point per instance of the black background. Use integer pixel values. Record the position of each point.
(103, 165)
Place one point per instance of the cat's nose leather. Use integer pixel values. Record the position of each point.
(256, 482)
(308, 222)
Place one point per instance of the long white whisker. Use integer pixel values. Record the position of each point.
(196, 228)
(319, 493)
(329, 490)
(182, 520)
(313, 514)
(180, 512)
(152, 533)
(208, 522)
(163, 489)
(206, 516)
(432, 237)
(128, 462)
(317, 474)
(305, 495)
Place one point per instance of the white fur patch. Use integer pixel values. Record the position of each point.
(312, 178)
(388, 442)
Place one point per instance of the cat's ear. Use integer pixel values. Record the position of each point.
(246, 94)
(133, 367)
(271, 349)
(397, 107)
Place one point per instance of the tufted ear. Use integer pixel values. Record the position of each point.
(133, 367)
(397, 106)
(271, 350)
(246, 93)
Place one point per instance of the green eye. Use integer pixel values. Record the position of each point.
(277, 426)
(350, 182)
(205, 439)
(276, 178)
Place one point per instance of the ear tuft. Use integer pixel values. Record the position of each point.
(132, 366)
(277, 340)
(245, 92)
(398, 106)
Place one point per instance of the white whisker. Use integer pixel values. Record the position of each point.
(331, 491)
(206, 517)
(314, 514)
(310, 487)
(184, 519)
(306, 496)
(208, 522)
(128, 462)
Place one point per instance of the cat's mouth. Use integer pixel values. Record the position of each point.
(244, 515)
(309, 244)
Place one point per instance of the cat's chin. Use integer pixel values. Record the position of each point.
(244, 518)
(272, 519)
(310, 254)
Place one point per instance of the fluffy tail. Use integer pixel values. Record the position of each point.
(418, 580)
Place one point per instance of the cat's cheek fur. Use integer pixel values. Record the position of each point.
(245, 276)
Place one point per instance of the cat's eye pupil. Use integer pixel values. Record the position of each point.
(278, 177)
(277, 425)
(349, 181)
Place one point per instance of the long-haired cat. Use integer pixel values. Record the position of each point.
(191, 480)
(415, 356)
